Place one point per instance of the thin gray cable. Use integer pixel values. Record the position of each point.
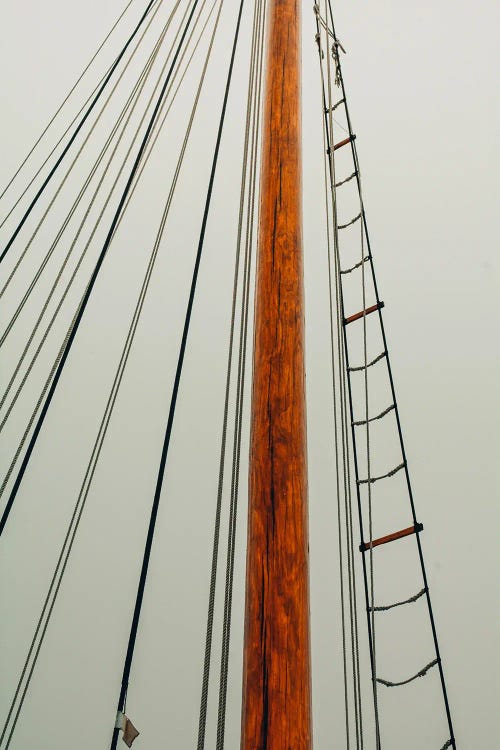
(345, 444)
(49, 327)
(137, 91)
(62, 105)
(245, 304)
(139, 85)
(60, 353)
(336, 446)
(220, 484)
(95, 454)
(91, 130)
(369, 486)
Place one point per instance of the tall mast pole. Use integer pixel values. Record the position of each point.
(276, 712)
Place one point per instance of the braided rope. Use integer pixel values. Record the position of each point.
(384, 608)
(421, 673)
(357, 265)
(391, 473)
(353, 221)
(369, 364)
(373, 419)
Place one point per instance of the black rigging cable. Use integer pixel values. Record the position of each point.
(452, 741)
(68, 343)
(248, 168)
(64, 101)
(173, 401)
(75, 160)
(75, 134)
(151, 143)
(60, 568)
(131, 104)
(129, 108)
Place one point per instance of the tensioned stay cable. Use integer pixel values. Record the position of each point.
(75, 134)
(336, 445)
(385, 355)
(130, 105)
(175, 390)
(81, 310)
(137, 91)
(72, 529)
(337, 325)
(240, 389)
(96, 225)
(70, 169)
(54, 116)
(344, 362)
(220, 484)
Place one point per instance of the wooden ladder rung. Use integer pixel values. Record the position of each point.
(362, 313)
(341, 143)
(392, 537)
(344, 142)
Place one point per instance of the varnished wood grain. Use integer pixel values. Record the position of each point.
(276, 683)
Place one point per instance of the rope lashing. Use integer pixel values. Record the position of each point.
(353, 221)
(382, 476)
(317, 39)
(347, 179)
(385, 607)
(373, 362)
(357, 265)
(334, 107)
(372, 419)
(422, 673)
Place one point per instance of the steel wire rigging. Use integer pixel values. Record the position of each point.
(106, 192)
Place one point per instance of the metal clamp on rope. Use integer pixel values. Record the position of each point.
(120, 720)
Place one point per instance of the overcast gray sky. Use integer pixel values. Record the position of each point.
(422, 86)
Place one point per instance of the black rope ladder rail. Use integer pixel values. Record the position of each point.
(328, 47)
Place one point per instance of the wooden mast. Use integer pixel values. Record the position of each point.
(276, 710)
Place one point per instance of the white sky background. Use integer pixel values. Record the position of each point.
(421, 85)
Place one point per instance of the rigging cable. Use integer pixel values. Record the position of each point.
(336, 446)
(61, 350)
(79, 314)
(54, 116)
(70, 169)
(97, 224)
(216, 536)
(231, 543)
(138, 88)
(343, 416)
(75, 134)
(102, 431)
(175, 390)
(391, 381)
(75, 271)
